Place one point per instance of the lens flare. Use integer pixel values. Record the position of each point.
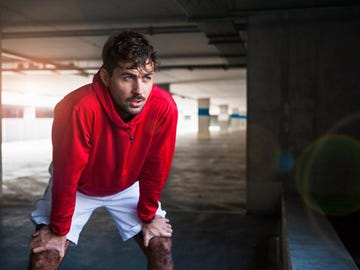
(328, 174)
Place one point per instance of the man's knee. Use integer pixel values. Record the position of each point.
(160, 250)
(162, 244)
(46, 260)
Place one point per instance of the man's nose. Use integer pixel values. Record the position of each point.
(137, 88)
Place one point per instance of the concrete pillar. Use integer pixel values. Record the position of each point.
(204, 118)
(235, 119)
(243, 120)
(29, 112)
(223, 118)
(29, 123)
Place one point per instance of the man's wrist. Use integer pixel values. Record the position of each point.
(148, 221)
(40, 226)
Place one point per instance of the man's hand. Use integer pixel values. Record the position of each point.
(159, 227)
(45, 239)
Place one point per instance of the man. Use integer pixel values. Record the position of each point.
(113, 144)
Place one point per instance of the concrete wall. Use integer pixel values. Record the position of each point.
(303, 84)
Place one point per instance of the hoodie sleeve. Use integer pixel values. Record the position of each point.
(157, 164)
(71, 146)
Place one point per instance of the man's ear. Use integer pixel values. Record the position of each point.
(104, 75)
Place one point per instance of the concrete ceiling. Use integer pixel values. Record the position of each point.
(202, 44)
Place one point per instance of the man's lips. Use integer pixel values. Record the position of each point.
(136, 101)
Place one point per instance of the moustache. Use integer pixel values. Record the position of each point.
(136, 98)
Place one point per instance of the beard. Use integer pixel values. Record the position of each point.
(131, 107)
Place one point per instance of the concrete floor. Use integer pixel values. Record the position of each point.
(205, 198)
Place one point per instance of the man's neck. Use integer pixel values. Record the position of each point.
(126, 117)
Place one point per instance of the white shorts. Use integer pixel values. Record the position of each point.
(121, 206)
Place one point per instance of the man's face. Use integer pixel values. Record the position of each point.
(129, 87)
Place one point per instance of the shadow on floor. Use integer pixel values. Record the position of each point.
(201, 241)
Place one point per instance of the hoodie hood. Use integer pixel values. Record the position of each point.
(103, 94)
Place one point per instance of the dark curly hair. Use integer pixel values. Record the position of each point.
(128, 47)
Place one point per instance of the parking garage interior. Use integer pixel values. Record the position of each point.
(265, 173)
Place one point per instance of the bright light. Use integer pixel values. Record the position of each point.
(28, 99)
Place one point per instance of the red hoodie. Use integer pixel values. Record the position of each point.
(97, 153)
